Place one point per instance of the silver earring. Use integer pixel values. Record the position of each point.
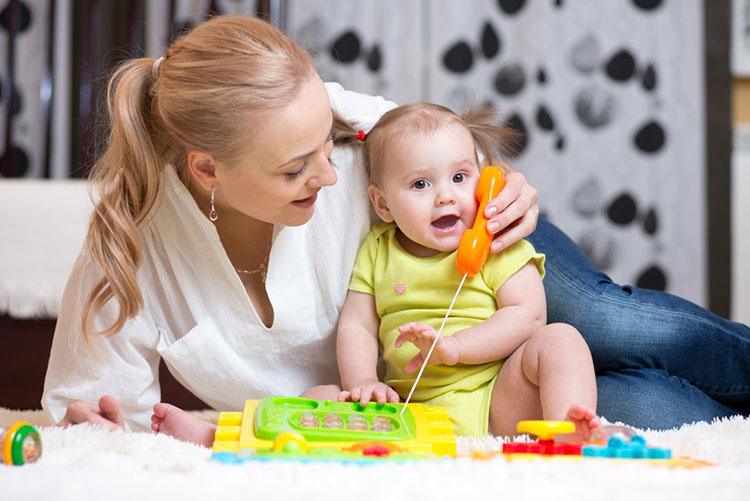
(212, 215)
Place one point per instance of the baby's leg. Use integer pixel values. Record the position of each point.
(559, 362)
(514, 397)
(177, 423)
(551, 377)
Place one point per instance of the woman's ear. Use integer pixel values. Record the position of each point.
(379, 203)
(202, 167)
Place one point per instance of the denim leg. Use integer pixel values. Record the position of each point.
(631, 328)
(631, 394)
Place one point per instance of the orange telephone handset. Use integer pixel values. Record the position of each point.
(475, 242)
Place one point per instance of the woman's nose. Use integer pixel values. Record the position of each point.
(323, 175)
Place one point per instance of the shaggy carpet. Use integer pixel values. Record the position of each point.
(85, 462)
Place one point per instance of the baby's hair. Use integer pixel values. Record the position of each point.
(203, 95)
(492, 139)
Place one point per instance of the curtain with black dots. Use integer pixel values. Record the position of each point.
(609, 96)
(25, 101)
(55, 56)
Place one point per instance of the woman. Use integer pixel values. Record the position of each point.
(224, 239)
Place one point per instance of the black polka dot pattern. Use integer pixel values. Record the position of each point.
(511, 7)
(652, 277)
(650, 138)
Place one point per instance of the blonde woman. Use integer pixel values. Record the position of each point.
(226, 230)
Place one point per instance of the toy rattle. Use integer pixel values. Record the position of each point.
(472, 250)
(21, 444)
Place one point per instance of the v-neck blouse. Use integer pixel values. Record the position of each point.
(197, 315)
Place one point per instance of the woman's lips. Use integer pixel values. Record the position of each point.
(306, 202)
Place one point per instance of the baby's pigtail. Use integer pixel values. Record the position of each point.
(344, 132)
(495, 140)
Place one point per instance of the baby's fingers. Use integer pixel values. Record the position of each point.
(366, 395)
(405, 337)
(355, 394)
(393, 397)
(379, 395)
(414, 364)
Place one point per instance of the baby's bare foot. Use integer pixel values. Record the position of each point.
(585, 420)
(175, 422)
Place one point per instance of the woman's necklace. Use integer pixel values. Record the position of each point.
(262, 270)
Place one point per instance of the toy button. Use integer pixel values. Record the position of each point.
(376, 450)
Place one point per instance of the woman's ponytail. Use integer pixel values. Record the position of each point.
(127, 183)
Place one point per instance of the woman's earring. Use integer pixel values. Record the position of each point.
(212, 215)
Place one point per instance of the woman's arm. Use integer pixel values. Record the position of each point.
(124, 367)
(357, 350)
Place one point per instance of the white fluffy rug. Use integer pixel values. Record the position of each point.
(84, 462)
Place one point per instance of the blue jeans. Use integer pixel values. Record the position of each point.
(660, 360)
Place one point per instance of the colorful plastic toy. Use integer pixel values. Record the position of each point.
(301, 428)
(545, 431)
(617, 447)
(621, 442)
(21, 444)
(475, 242)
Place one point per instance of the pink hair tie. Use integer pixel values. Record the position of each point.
(361, 135)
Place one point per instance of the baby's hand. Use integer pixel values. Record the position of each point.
(446, 352)
(365, 391)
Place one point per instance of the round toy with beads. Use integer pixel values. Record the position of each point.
(21, 444)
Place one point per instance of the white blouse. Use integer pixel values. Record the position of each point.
(197, 315)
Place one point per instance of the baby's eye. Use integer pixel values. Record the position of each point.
(420, 184)
(459, 178)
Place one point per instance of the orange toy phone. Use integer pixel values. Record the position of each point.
(475, 242)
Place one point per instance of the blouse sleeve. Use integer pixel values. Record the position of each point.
(361, 109)
(124, 366)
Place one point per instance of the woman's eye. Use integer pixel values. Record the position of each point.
(297, 173)
(420, 185)
(459, 178)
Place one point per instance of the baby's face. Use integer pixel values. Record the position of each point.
(428, 187)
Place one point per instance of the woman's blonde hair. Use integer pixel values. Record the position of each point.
(492, 139)
(202, 96)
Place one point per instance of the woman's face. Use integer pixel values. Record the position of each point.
(287, 162)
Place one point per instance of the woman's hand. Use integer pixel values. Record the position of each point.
(107, 414)
(513, 213)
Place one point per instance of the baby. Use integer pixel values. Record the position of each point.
(497, 361)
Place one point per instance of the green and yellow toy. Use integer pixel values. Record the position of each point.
(21, 444)
(301, 428)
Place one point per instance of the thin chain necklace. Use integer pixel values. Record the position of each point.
(262, 270)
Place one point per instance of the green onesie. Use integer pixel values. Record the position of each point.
(413, 289)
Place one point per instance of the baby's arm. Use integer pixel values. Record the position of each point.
(357, 351)
(522, 310)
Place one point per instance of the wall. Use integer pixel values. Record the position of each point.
(741, 201)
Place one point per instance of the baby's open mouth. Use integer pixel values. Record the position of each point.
(445, 222)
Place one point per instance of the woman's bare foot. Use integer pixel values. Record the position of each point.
(585, 420)
(175, 422)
